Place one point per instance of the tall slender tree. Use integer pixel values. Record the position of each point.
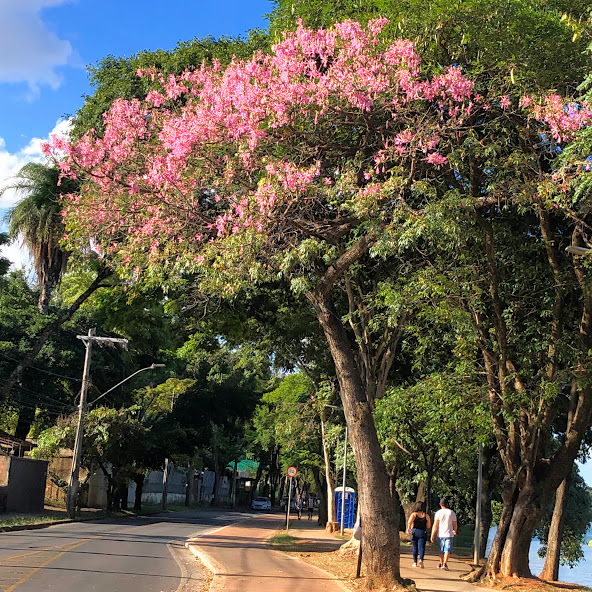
(36, 220)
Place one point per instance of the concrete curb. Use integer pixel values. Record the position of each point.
(36, 526)
(69, 521)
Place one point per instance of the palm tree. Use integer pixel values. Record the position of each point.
(37, 221)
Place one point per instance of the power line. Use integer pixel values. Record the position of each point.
(41, 369)
(49, 400)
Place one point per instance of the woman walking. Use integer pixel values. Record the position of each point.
(417, 527)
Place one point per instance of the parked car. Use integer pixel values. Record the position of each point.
(261, 503)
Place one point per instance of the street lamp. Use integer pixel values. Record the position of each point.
(344, 471)
(77, 453)
(151, 367)
(575, 250)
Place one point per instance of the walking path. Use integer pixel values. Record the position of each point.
(242, 561)
(428, 579)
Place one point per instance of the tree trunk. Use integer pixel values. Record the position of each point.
(323, 515)
(523, 508)
(139, 480)
(25, 420)
(329, 495)
(122, 492)
(490, 466)
(551, 567)
(380, 532)
(110, 494)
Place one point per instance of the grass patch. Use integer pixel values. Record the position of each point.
(8, 520)
(282, 538)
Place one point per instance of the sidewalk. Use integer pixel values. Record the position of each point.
(241, 561)
(428, 579)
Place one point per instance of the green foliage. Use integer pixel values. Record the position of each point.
(431, 430)
(4, 262)
(526, 42)
(113, 440)
(45, 386)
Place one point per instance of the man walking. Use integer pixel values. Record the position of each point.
(310, 504)
(445, 525)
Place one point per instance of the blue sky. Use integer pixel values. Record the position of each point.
(45, 46)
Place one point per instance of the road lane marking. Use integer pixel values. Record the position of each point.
(51, 560)
(3, 559)
(63, 551)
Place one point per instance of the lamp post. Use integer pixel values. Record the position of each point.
(77, 453)
(151, 367)
(344, 472)
(575, 250)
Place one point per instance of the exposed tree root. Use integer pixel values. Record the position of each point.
(352, 547)
(474, 575)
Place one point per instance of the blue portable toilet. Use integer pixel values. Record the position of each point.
(349, 507)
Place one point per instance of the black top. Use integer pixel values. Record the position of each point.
(420, 523)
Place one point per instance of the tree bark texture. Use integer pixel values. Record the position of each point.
(551, 567)
(330, 484)
(380, 531)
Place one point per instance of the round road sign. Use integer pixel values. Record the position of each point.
(292, 472)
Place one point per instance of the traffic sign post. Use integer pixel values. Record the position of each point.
(291, 472)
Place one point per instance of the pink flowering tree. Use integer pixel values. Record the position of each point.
(302, 164)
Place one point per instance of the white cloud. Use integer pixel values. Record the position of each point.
(10, 165)
(29, 51)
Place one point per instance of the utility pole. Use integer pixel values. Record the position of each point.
(88, 341)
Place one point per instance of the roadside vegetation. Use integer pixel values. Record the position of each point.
(364, 225)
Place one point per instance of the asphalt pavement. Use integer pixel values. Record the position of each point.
(144, 554)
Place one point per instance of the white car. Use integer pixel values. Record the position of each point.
(261, 503)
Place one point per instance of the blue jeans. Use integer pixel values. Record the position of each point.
(445, 545)
(418, 548)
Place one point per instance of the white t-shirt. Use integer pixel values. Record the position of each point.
(445, 518)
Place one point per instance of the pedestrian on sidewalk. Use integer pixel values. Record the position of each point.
(299, 506)
(310, 506)
(417, 527)
(446, 526)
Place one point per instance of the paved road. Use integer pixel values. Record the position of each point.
(144, 554)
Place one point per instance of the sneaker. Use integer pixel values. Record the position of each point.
(414, 565)
(421, 563)
(440, 566)
(445, 567)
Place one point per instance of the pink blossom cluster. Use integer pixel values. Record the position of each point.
(563, 119)
(222, 131)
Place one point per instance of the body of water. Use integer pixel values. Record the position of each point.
(580, 574)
